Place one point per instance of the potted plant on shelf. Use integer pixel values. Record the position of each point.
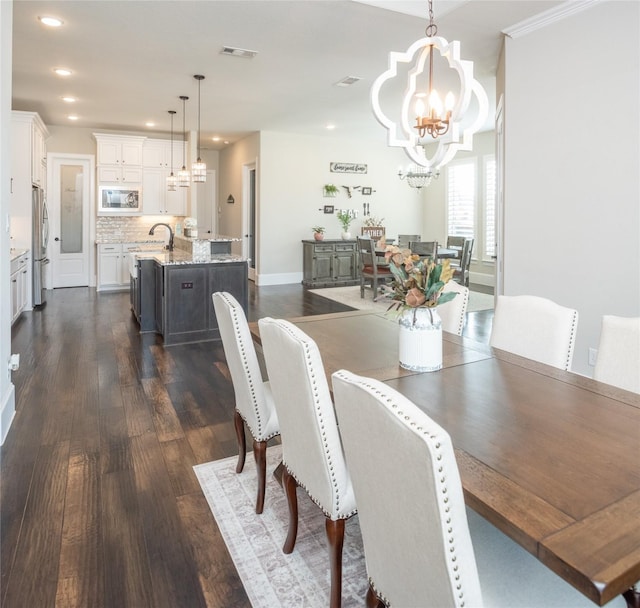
(318, 232)
(345, 217)
(330, 190)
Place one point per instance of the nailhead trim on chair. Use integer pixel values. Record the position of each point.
(462, 318)
(336, 493)
(572, 338)
(258, 436)
(441, 481)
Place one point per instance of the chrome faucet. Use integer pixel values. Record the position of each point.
(170, 247)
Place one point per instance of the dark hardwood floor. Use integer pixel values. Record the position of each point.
(99, 505)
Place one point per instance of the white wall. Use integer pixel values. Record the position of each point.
(572, 193)
(292, 171)
(7, 391)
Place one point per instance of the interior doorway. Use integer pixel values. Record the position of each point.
(499, 225)
(70, 196)
(249, 217)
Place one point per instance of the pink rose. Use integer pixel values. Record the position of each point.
(414, 298)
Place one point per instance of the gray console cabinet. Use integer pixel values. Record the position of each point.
(329, 263)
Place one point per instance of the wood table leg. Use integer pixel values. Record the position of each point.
(632, 597)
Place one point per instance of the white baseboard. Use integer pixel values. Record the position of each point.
(480, 278)
(279, 279)
(7, 411)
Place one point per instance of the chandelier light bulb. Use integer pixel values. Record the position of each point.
(420, 108)
(435, 105)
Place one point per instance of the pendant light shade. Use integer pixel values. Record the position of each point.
(199, 169)
(172, 180)
(183, 174)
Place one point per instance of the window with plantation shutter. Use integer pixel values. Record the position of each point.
(461, 198)
(489, 207)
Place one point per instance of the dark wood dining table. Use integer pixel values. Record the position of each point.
(549, 457)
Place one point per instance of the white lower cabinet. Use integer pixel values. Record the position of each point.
(113, 266)
(19, 278)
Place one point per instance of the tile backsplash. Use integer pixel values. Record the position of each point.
(118, 229)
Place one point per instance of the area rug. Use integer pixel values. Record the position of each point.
(271, 578)
(351, 297)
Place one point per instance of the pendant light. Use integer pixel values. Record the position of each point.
(199, 169)
(172, 180)
(183, 174)
(449, 126)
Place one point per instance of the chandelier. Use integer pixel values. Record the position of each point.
(415, 124)
(417, 176)
(172, 180)
(199, 169)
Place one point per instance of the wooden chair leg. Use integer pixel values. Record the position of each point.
(290, 486)
(260, 455)
(335, 537)
(373, 601)
(242, 442)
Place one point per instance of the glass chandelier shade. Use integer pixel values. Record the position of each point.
(172, 180)
(199, 169)
(184, 176)
(418, 176)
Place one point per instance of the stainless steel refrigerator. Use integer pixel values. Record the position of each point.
(40, 241)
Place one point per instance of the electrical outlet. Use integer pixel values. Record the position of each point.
(593, 355)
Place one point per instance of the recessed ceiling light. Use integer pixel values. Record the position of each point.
(62, 71)
(331, 127)
(51, 21)
(69, 99)
(72, 117)
(150, 124)
(216, 138)
(226, 141)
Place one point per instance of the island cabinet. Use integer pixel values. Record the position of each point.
(329, 263)
(183, 307)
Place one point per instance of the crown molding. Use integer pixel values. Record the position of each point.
(557, 13)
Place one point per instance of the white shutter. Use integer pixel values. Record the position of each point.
(489, 207)
(461, 199)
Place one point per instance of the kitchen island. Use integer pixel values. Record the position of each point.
(171, 292)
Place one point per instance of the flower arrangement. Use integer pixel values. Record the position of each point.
(417, 283)
(345, 218)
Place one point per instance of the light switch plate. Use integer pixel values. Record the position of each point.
(593, 355)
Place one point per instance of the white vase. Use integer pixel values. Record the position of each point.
(420, 346)
(346, 235)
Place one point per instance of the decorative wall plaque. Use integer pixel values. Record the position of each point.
(347, 168)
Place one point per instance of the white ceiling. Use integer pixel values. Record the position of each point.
(131, 60)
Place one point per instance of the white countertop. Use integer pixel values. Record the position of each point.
(16, 253)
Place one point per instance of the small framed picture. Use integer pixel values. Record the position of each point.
(328, 208)
(366, 191)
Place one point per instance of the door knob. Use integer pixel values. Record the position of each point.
(56, 239)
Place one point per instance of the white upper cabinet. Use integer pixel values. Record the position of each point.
(156, 153)
(157, 165)
(119, 158)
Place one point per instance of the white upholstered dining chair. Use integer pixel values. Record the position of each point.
(422, 547)
(254, 403)
(618, 361)
(453, 312)
(311, 448)
(536, 328)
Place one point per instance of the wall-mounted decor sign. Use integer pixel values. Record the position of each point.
(328, 208)
(366, 191)
(347, 168)
(231, 200)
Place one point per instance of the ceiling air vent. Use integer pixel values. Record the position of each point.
(348, 81)
(234, 52)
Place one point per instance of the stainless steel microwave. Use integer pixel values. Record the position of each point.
(119, 200)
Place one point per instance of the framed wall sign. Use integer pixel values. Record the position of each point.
(328, 208)
(348, 168)
(366, 191)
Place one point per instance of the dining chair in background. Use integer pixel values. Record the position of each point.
(422, 546)
(311, 447)
(254, 402)
(371, 268)
(462, 267)
(456, 242)
(425, 249)
(405, 239)
(453, 312)
(536, 328)
(618, 361)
